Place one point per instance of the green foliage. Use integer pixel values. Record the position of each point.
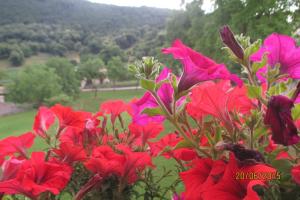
(68, 78)
(82, 27)
(34, 84)
(16, 57)
(92, 67)
(116, 69)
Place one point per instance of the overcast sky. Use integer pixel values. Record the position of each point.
(172, 4)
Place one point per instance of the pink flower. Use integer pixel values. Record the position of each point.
(197, 67)
(165, 93)
(280, 49)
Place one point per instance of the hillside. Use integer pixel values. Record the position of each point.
(91, 16)
(58, 27)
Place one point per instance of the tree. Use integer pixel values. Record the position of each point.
(116, 70)
(69, 80)
(34, 84)
(16, 57)
(92, 68)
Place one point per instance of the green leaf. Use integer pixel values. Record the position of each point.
(148, 84)
(296, 112)
(282, 165)
(153, 111)
(183, 144)
(254, 47)
(254, 91)
(259, 132)
(210, 139)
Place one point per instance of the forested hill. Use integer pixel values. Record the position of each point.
(57, 27)
(91, 16)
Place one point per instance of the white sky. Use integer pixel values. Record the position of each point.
(172, 4)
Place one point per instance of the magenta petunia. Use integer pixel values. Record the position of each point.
(280, 49)
(165, 93)
(197, 67)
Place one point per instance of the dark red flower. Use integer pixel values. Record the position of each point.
(36, 176)
(197, 68)
(43, 120)
(279, 118)
(114, 107)
(230, 41)
(16, 144)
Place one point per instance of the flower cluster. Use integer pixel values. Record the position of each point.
(232, 138)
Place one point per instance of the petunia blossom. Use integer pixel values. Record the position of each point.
(16, 144)
(279, 118)
(218, 100)
(36, 176)
(197, 67)
(236, 184)
(295, 172)
(142, 133)
(43, 120)
(67, 117)
(280, 49)
(114, 107)
(165, 93)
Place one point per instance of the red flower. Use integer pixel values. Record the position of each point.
(10, 168)
(72, 135)
(279, 118)
(69, 153)
(67, 117)
(16, 144)
(142, 133)
(105, 161)
(204, 174)
(134, 162)
(43, 120)
(234, 187)
(36, 176)
(169, 141)
(114, 107)
(197, 68)
(218, 99)
(296, 174)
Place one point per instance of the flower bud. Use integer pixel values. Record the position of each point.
(230, 41)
